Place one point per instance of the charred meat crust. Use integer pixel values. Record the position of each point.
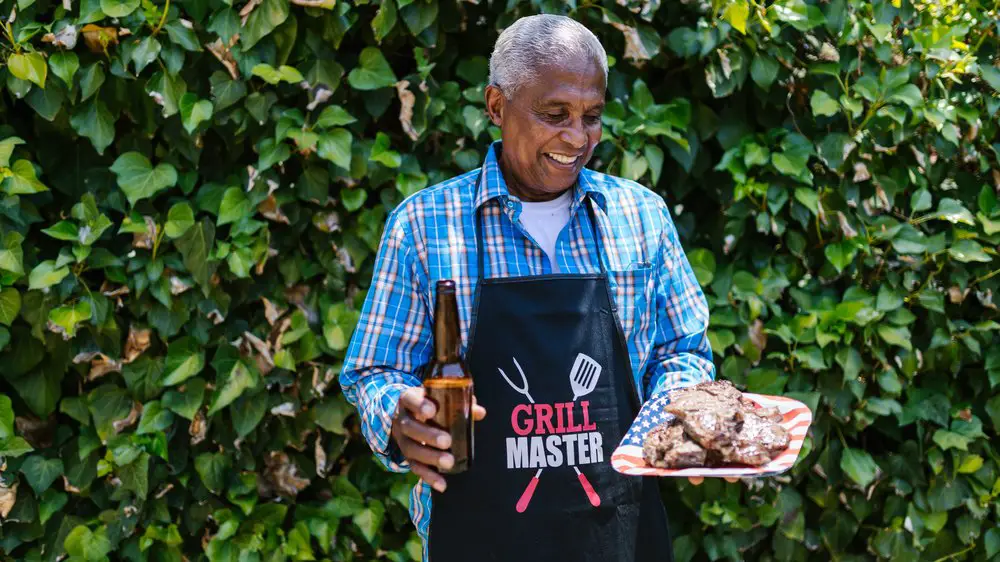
(714, 424)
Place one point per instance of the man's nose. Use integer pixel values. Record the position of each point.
(574, 134)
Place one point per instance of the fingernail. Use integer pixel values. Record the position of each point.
(427, 410)
(444, 441)
(440, 486)
(446, 462)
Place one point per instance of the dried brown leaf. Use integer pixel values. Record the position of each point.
(198, 428)
(179, 285)
(137, 343)
(845, 226)
(69, 487)
(956, 295)
(8, 496)
(263, 357)
(225, 56)
(757, 335)
(286, 409)
(98, 38)
(320, 386)
(320, 455)
(271, 211)
(861, 172)
(327, 222)
(282, 475)
(279, 329)
(271, 312)
(132, 419)
(406, 101)
(102, 365)
(634, 49)
(247, 9)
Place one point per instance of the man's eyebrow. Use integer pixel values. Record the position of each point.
(559, 103)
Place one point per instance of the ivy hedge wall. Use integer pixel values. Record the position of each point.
(193, 191)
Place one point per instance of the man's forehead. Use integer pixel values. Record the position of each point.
(565, 84)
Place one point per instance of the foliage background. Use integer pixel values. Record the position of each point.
(193, 191)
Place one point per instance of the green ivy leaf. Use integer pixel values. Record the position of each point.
(369, 520)
(764, 70)
(908, 94)
(94, 121)
(232, 382)
(155, 418)
(147, 51)
(179, 220)
(194, 112)
(373, 71)
(67, 317)
(6, 418)
(119, 8)
(334, 116)
(22, 180)
(87, 545)
(46, 274)
(859, 466)
(382, 154)
(384, 20)
(234, 207)
(954, 212)
(840, 254)
(353, 198)
(41, 472)
(65, 64)
(185, 403)
(896, 335)
(139, 179)
(335, 146)
(247, 412)
(29, 66)
(7, 148)
(273, 75)
(14, 447)
(195, 246)
(967, 251)
(262, 21)
(185, 359)
(736, 14)
(950, 440)
(213, 469)
(823, 105)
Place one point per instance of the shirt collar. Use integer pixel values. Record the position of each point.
(492, 185)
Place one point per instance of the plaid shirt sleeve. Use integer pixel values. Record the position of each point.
(392, 340)
(681, 354)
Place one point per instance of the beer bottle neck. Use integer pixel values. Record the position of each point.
(447, 339)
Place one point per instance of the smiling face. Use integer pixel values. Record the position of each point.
(549, 128)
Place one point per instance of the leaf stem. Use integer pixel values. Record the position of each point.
(955, 554)
(163, 18)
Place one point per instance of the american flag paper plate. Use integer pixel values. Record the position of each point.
(627, 458)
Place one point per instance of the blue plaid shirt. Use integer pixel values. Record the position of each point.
(431, 236)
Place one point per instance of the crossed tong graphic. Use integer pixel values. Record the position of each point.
(583, 379)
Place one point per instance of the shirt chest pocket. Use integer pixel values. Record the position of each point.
(633, 291)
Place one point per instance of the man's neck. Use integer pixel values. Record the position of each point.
(523, 192)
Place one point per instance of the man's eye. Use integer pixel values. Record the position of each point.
(555, 117)
(592, 119)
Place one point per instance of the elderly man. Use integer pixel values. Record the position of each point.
(555, 265)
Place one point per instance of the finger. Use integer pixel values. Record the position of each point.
(696, 480)
(478, 412)
(414, 400)
(423, 433)
(732, 479)
(429, 475)
(414, 451)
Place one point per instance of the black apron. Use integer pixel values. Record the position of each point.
(550, 365)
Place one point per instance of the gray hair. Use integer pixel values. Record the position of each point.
(534, 42)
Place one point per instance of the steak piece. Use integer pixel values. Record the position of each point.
(758, 441)
(667, 446)
(714, 428)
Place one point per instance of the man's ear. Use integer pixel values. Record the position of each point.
(495, 102)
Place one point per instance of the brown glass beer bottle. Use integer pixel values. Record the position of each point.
(448, 383)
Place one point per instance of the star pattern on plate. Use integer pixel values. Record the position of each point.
(650, 415)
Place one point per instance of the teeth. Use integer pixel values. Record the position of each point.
(562, 159)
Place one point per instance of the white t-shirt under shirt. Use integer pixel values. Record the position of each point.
(544, 220)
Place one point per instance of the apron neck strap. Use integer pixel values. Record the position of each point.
(481, 252)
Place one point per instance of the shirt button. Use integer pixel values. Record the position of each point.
(510, 204)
